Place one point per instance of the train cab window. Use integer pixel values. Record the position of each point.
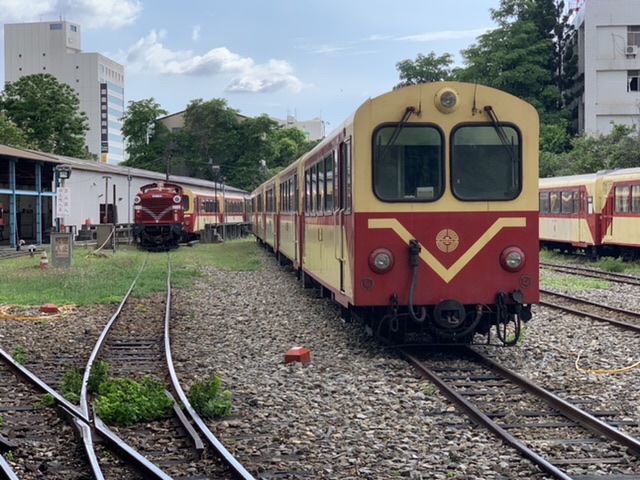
(486, 163)
(408, 163)
(622, 199)
(320, 195)
(185, 202)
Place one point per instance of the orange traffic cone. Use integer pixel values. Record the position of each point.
(44, 260)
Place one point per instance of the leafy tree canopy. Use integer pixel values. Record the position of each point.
(48, 113)
(424, 69)
(10, 134)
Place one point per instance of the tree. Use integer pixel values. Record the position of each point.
(10, 134)
(48, 113)
(424, 69)
(146, 137)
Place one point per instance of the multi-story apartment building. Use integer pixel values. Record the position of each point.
(608, 48)
(55, 48)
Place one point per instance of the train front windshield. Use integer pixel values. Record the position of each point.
(408, 163)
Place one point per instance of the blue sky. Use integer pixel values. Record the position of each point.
(279, 57)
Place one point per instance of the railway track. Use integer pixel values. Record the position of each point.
(135, 344)
(592, 273)
(563, 440)
(627, 319)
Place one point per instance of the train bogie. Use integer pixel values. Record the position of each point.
(418, 215)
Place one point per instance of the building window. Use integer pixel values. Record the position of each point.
(55, 26)
(73, 28)
(633, 81)
(633, 35)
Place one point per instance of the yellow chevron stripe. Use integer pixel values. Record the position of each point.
(447, 274)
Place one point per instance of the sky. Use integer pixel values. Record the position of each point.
(319, 59)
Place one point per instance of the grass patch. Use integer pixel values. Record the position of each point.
(574, 283)
(104, 279)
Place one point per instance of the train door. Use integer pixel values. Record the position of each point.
(342, 207)
(608, 202)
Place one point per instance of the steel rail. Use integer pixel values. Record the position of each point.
(227, 457)
(612, 321)
(482, 419)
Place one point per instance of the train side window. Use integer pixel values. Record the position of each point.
(328, 183)
(321, 183)
(486, 163)
(567, 203)
(576, 202)
(622, 199)
(544, 202)
(307, 192)
(554, 202)
(314, 188)
(635, 198)
(408, 163)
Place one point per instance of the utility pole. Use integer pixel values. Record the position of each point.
(105, 218)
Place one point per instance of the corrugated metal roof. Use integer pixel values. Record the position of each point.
(105, 168)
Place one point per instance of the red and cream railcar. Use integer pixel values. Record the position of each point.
(570, 212)
(264, 224)
(212, 208)
(621, 213)
(288, 217)
(596, 213)
(419, 215)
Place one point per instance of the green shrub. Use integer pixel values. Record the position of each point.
(125, 402)
(20, 354)
(610, 264)
(71, 385)
(99, 375)
(208, 399)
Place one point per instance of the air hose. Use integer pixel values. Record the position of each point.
(414, 253)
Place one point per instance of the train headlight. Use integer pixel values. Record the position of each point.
(176, 199)
(447, 100)
(381, 260)
(512, 259)
(137, 199)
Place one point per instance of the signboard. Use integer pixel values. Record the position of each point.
(104, 118)
(61, 249)
(63, 203)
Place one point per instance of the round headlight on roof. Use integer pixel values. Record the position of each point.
(447, 100)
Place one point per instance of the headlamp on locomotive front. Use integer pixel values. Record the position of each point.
(176, 199)
(381, 260)
(512, 259)
(137, 199)
(447, 100)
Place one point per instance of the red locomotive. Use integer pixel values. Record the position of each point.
(158, 215)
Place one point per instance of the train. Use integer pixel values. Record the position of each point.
(167, 214)
(595, 214)
(418, 215)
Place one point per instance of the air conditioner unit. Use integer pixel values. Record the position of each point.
(632, 50)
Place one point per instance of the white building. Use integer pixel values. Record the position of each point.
(312, 129)
(608, 42)
(55, 48)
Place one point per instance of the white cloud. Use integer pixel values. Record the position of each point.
(149, 55)
(444, 35)
(88, 13)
